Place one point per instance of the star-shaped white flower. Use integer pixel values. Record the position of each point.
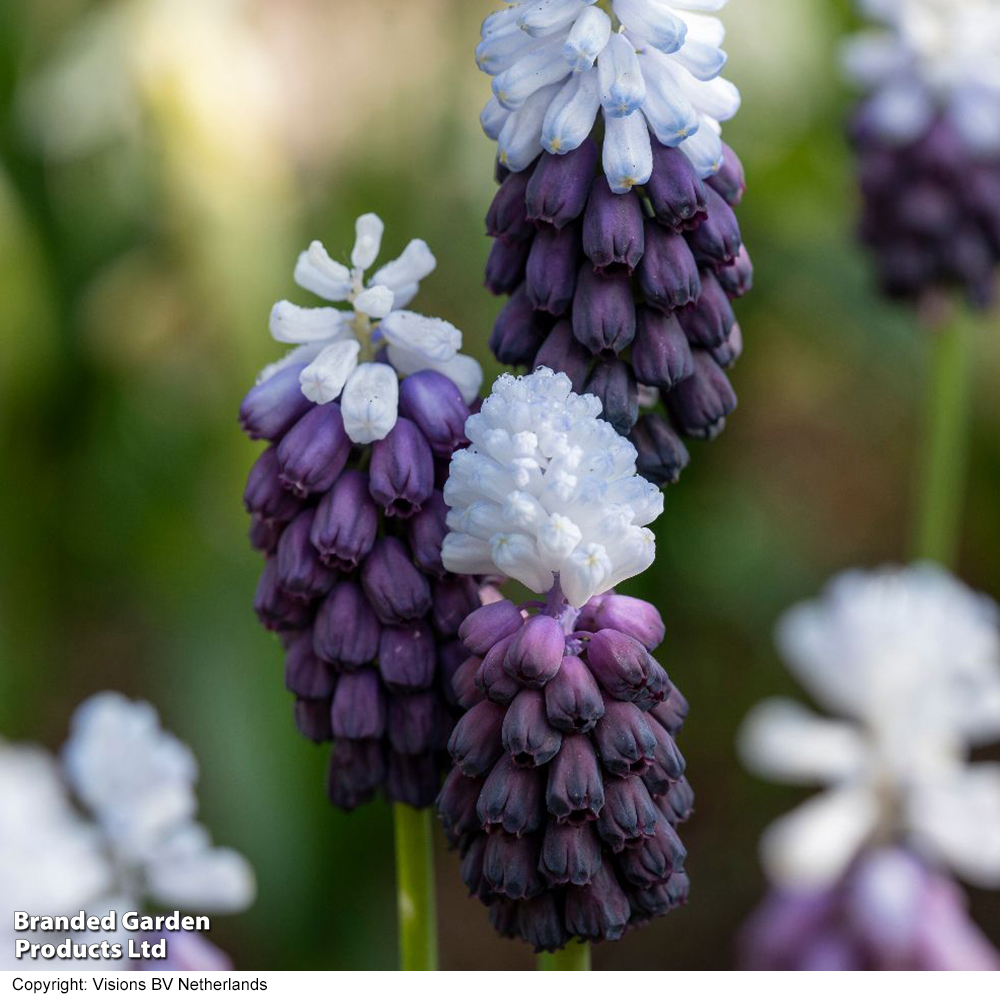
(911, 659)
(336, 345)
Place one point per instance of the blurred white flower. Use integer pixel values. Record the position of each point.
(339, 344)
(545, 489)
(135, 843)
(911, 659)
(647, 65)
(932, 56)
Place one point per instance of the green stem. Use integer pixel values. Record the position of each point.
(415, 897)
(942, 478)
(575, 957)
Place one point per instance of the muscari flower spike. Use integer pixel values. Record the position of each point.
(614, 230)
(911, 659)
(567, 785)
(346, 505)
(927, 138)
(113, 826)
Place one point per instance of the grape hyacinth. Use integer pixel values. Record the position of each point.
(567, 785)
(112, 826)
(622, 272)
(911, 658)
(345, 502)
(927, 138)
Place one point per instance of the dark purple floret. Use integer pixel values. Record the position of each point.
(668, 274)
(425, 532)
(676, 193)
(397, 591)
(700, 404)
(613, 234)
(661, 356)
(550, 278)
(527, 735)
(486, 626)
(573, 700)
(346, 522)
(313, 453)
(347, 631)
(264, 496)
(505, 266)
(271, 407)
(406, 656)
(662, 455)
(519, 331)
(603, 311)
(562, 352)
(476, 742)
(512, 798)
(709, 322)
(534, 655)
(433, 402)
(507, 218)
(613, 383)
(359, 706)
(559, 185)
(416, 723)
(401, 475)
(301, 574)
(306, 675)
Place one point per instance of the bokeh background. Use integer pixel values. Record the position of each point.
(161, 164)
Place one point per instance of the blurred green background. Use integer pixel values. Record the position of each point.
(161, 164)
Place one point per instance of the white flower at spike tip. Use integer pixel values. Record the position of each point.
(931, 57)
(648, 65)
(337, 345)
(910, 659)
(547, 488)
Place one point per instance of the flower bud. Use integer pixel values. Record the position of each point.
(573, 701)
(660, 899)
(505, 266)
(737, 278)
(674, 189)
(667, 765)
(562, 352)
(416, 722)
(359, 710)
(264, 534)
(397, 590)
(540, 923)
(312, 719)
(671, 712)
(275, 609)
(598, 911)
(678, 803)
(346, 521)
(271, 407)
(433, 402)
(507, 218)
(512, 798)
(657, 686)
(412, 779)
(346, 630)
(575, 792)
(527, 735)
(701, 403)
(624, 739)
(401, 474)
(634, 617)
(493, 679)
(662, 456)
(558, 188)
(465, 692)
(728, 352)
(603, 311)
(300, 573)
(619, 662)
(536, 652)
(406, 656)
(550, 278)
(730, 180)
(518, 331)
(717, 240)
(613, 234)
(661, 355)
(709, 322)
(306, 675)
(456, 804)
(264, 495)
(510, 865)
(613, 383)
(357, 768)
(313, 453)
(471, 869)
(487, 625)
(569, 854)
(655, 859)
(455, 598)
(475, 742)
(425, 533)
(668, 274)
(629, 814)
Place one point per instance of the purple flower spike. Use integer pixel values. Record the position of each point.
(357, 768)
(709, 323)
(562, 352)
(668, 274)
(730, 181)
(575, 792)
(487, 625)
(674, 190)
(527, 734)
(573, 701)
(629, 814)
(406, 655)
(510, 865)
(300, 573)
(551, 272)
(653, 861)
(518, 331)
(397, 590)
(598, 911)
(662, 455)
(401, 475)
(559, 185)
(661, 356)
(632, 616)
(313, 453)
(475, 743)
(359, 709)
(569, 854)
(270, 408)
(613, 234)
(507, 218)
(346, 630)
(306, 675)
(613, 383)
(264, 495)
(346, 521)
(534, 656)
(433, 402)
(603, 311)
(512, 798)
(505, 266)
(624, 739)
(717, 240)
(701, 403)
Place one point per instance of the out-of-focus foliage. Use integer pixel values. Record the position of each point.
(160, 163)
